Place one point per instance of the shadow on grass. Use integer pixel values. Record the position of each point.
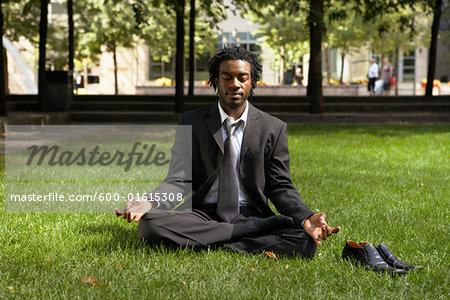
(110, 237)
(125, 240)
(115, 237)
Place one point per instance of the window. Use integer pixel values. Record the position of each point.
(409, 64)
(244, 39)
(201, 64)
(159, 68)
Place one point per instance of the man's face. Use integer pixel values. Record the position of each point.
(234, 83)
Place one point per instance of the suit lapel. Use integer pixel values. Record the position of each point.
(213, 123)
(251, 130)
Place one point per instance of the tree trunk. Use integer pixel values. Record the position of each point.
(341, 78)
(179, 62)
(327, 65)
(116, 83)
(71, 42)
(433, 48)
(314, 90)
(3, 108)
(42, 83)
(283, 64)
(191, 49)
(172, 68)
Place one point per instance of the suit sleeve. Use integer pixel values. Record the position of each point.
(279, 187)
(179, 178)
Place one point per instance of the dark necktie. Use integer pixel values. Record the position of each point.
(228, 203)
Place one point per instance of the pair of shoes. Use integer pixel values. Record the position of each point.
(391, 259)
(368, 255)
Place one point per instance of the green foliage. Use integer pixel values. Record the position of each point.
(345, 29)
(407, 28)
(372, 9)
(21, 20)
(396, 24)
(57, 46)
(108, 23)
(282, 27)
(384, 24)
(279, 28)
(157, 27)
(113, 23)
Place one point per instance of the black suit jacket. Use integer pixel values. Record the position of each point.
(264, 161)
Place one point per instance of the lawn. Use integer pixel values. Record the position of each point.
(386, 183)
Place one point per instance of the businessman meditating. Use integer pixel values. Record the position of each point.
(240, 162)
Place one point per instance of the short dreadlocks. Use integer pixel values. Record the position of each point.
(234, 53)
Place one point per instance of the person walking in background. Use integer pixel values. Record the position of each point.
(76, 81)
(373, 75)
(298, 77)
(387, 74)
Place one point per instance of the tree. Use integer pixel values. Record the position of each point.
(71, 41)
(51, 40)
(108, 23)
(42, 83)
(157, 27)
(191, 47)
(21, 21)
(3, 104)
(214, 16)
(179, 64)
(179, 7)
(345, 30)
(314, 90)
(282, 31)
(209, 12)
(433, 47)
(180, 51)
(315, 19)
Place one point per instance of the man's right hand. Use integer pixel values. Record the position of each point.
(135, 209)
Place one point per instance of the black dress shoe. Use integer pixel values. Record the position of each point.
(368, 256)
(392, 260)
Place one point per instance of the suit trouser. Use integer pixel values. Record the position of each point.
(247, 233)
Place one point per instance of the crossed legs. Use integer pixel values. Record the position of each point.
(245, 234)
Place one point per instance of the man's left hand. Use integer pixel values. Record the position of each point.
(135, 209)
(317, 227)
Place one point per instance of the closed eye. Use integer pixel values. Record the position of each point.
(241, 78)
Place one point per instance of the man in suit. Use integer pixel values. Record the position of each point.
(240, 161)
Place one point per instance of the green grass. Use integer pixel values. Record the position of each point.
(379, 183)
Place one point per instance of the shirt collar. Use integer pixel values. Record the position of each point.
(223, 114)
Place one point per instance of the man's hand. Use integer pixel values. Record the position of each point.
(135, 209)
(317, 227)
